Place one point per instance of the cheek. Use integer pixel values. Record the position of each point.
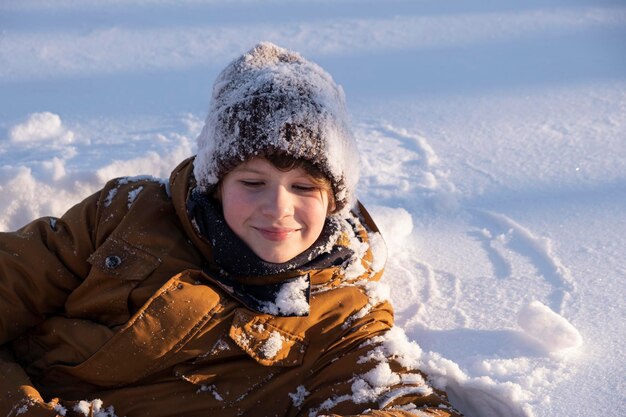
(316, 216)
(235, 209)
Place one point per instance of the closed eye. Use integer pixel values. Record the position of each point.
(305, 188)
(251, 184)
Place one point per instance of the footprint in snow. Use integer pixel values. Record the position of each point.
(501, 236)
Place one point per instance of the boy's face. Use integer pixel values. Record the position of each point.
(277, 214)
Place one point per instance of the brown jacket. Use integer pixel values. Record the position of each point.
(109, 305)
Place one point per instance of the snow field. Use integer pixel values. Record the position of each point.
(493, 148)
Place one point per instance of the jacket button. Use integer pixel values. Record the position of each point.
(112, 261)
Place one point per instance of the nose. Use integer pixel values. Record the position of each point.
(278, 203)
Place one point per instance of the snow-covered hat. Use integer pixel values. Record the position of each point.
(272, 101)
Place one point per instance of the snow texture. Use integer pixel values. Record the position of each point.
(21, 410)
(60, 410)
(291, 299)
(132, 195)
(211, 389)
(272, 345)
(492, 153)
(299, 396)
(548, 328)
(94, 408)
(40, 127)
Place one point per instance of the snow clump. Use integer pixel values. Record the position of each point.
(291, 299)
(551, 330)
(272, 345)
(94, 408)
(40, 127)
(299, 396)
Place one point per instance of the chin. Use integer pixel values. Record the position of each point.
(276, 258)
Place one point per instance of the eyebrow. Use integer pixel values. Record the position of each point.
(249, 170)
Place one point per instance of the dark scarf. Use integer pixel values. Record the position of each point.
(236, 266)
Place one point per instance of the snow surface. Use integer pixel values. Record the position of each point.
(493, 148)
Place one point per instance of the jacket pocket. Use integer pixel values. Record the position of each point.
(261, 337)
(116, 268)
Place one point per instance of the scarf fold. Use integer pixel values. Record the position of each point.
(236, 268)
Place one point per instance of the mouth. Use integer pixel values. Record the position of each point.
(275, 234)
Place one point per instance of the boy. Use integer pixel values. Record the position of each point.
(246, 285)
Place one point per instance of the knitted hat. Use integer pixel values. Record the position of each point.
(273, 101)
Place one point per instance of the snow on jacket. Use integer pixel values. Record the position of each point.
(107, 311)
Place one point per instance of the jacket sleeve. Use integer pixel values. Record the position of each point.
(374, 370)
(40, 265)
(19, 397)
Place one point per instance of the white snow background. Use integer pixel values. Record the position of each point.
(493, 140)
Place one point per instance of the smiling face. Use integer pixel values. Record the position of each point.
(278, 214)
